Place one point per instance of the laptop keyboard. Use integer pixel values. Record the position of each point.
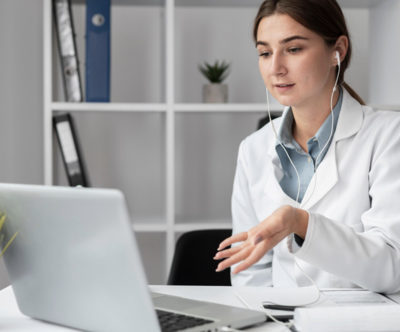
(171, 322)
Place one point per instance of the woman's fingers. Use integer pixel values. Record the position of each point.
(258, 240)
(259, 251)
(241, 255)
(240, 237)
(228, 252)
(268, 229)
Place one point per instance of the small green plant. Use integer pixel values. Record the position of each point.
(216, 73)
(2, 220)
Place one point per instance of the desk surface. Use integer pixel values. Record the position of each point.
(11, 318)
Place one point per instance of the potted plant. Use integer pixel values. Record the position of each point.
(215, 91)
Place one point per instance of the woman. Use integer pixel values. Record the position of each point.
(346, 233)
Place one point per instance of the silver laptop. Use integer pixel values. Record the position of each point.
(75, 262)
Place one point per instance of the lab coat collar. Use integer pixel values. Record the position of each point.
(349, 123)
(350, 118)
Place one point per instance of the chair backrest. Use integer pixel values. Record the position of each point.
(193, 263)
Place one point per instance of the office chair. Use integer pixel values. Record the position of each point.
(263, 121)
(193, 263)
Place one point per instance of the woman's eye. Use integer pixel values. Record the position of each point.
(295, 50)
(264, 55)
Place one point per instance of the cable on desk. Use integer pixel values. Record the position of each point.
(229, 329)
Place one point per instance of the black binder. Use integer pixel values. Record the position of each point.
(70, 150)
(68, 51)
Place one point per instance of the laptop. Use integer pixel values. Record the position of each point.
(75, 262)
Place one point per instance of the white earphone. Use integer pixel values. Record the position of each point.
(337, 56)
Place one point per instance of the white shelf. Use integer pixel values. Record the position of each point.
(145, 107)
(187, 227)
(156, 224)
(179, 228)
(149, 228)
(108, 107)
(188, 107)
(227, 108)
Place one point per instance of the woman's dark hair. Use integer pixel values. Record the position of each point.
(324, 17)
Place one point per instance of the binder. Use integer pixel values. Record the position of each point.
(68, 51)
(98, 50)
(70, 150)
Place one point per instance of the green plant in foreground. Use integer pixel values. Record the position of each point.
(216, 73)
(2, 220)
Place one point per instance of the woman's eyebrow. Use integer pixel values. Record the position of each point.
(283, 41)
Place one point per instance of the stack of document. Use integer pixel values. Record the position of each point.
(336, 309)
(348, 319)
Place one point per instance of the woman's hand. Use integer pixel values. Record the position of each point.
(262, 238)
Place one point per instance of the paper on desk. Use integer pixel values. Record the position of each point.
(348, 319)
(253, 297)
(395, 297)
(357, 298)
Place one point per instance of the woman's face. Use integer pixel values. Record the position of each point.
(292, 55)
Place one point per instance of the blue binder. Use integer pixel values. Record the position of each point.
(98, 50)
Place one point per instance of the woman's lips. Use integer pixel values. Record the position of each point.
(284, 87)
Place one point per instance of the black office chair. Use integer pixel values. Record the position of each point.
(263, 121)
(193, 263)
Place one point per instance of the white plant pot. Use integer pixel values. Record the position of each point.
(215, 93)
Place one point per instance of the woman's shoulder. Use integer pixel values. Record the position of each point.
(381, 122)
(261, 139)
(381, 115)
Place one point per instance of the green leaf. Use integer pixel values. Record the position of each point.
(216, 73)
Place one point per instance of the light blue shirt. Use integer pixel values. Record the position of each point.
(304, 162)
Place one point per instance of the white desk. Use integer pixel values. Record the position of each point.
(12, 320)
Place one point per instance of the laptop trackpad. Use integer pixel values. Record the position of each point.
(176, 303)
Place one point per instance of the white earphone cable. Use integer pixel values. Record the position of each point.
(299, 183)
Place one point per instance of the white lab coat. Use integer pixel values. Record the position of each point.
(353, 235)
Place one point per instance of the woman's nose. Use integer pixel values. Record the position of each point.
(278, 65)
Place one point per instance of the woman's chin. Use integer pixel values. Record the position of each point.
(284, 101)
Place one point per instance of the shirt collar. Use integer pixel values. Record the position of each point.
(285, 131)
(324, 131)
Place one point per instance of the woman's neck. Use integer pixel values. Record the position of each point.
(308, 119)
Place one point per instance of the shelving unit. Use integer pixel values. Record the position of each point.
(173, 156)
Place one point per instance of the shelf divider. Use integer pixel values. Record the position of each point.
(108, 107)
(170, 132)
(47, 93)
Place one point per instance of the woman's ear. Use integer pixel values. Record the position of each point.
(341, 46)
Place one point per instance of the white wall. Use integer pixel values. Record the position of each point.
(357, 75)
(21, 91)
(385, 53)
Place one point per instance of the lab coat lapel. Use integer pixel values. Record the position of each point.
(349, 123)
(326, 177)
(272, 187)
